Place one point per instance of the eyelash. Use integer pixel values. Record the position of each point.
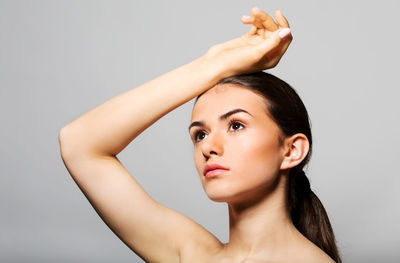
(234, 121)
(231, 122)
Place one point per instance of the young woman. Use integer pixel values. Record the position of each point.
(251, 139)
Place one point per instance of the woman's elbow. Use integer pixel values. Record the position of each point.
(69, 147)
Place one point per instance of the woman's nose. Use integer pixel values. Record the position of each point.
(213, 145)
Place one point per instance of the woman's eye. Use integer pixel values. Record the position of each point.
(235, 125)
(200, 135)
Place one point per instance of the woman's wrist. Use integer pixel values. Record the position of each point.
(213, 67)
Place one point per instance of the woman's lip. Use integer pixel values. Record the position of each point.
(214, 169)
(215, 172)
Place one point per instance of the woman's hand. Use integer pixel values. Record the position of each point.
(260, 48)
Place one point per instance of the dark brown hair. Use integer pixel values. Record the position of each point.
(288, 111)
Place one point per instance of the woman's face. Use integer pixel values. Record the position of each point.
(230, 127)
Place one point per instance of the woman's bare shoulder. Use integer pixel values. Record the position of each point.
(205, 247)
(311, 253)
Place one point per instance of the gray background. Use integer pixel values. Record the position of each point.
(59, 59)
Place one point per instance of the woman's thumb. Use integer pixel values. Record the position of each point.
(284, 32)
(274, 40)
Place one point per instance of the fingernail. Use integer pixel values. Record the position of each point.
(284, 32)
(246, 17)
(258, 9)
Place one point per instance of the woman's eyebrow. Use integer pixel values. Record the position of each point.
(222, 117)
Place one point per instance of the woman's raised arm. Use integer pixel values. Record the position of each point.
(89, 144)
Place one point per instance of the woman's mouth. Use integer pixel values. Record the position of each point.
(212, 170)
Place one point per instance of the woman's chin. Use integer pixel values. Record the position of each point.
(218, 199)
(218, 196)
(223, 196)
(237, 197)
(229, 199)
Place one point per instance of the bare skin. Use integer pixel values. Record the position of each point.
(254, 186)
(260, 229)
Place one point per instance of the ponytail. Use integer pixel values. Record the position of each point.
(309, 215)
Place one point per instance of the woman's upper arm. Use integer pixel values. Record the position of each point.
(155, 232)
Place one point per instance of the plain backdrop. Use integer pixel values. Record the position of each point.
(59, 59)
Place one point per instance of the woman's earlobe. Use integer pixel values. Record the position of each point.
(296, 149)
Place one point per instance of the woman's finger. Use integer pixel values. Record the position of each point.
(263, 20)
(249, 20)
(252, 30)
(285, 44)
(280, 18)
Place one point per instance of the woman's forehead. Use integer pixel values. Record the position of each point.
(225, 97)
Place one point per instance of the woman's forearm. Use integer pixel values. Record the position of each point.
(111, 126)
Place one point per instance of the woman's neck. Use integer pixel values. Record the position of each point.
(261, 225)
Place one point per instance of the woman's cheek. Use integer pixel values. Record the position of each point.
(259, 158)
(197, 155)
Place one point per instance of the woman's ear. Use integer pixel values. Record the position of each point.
(296, 148)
